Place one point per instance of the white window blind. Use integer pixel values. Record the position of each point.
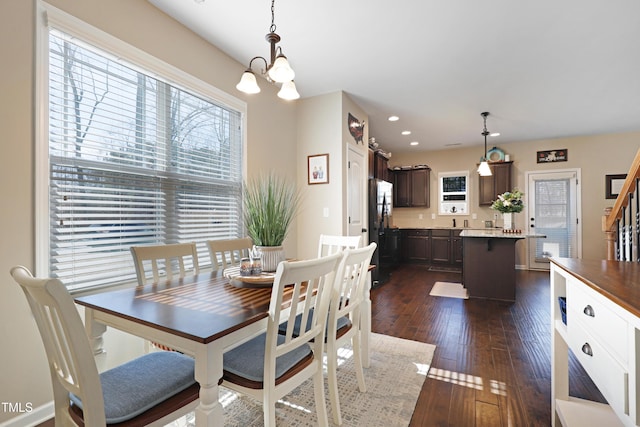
(134, 160)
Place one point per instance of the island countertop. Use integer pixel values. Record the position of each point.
(498, 233)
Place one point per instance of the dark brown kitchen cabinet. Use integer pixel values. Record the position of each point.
(438, 247)
(497, 183)
(381, 167)
(441, 246)
(456, 247)
(416, 246)
(411, 188)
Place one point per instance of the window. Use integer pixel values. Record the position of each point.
(133, 160)
(454, 193)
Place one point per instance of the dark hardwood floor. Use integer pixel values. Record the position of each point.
(492, 363)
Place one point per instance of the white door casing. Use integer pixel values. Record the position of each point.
(553, 208)
(356, 193)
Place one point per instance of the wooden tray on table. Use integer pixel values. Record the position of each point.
(264, 280)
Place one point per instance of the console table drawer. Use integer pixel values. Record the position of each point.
(609, 375)
(587, 308)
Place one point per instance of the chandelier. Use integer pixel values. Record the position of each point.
(484, 169)
(276, 71)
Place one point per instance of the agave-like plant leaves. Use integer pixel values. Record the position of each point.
(270, 205)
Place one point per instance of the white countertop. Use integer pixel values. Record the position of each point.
(498, 233)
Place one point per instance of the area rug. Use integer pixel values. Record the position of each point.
(449, 290)
(394, 380)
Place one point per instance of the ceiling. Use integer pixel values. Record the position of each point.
(543, 69)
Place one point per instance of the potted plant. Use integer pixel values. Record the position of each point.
(270, 205)
(508, 203)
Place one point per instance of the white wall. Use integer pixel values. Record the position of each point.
(322, 129)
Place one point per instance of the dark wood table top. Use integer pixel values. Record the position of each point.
(618, 281)
(201, 308)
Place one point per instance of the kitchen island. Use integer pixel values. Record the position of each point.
(489, 263)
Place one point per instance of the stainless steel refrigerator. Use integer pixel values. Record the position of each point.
(386, 256)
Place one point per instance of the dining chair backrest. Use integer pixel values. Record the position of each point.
(312, 281)
(71, 362)
(347, 302)
(163, 259)
(271, 365)
(330, 244)
(349, 293)
(74, 372)
(228, 252)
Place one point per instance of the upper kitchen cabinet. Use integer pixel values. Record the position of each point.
(497, 183)
(379, 166)
(411, 188)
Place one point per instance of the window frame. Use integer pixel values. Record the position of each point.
(49, 16)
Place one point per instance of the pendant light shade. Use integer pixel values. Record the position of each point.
(484, 169)
(248, 83)
(289, 91)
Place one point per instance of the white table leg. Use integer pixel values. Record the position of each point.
(95, 330)
(209, 411)
(365, 326)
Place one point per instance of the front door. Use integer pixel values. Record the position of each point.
(553, 209)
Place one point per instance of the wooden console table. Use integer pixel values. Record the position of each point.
(602, 329)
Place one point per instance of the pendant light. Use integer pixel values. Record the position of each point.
(484, 169)
(276, 71)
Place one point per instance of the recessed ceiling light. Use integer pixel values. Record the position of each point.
(406, 132)
(494, 134)
(394, 118)
(414, 143)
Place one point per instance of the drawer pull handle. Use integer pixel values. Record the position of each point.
(588, 310)
(586, 349)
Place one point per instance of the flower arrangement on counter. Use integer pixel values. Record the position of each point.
(509, 202)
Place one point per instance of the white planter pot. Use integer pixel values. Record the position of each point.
(509, 221)
(271, 257)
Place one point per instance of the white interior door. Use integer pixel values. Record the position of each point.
(553, 209)
(356, 193)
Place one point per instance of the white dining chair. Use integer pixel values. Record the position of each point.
(228, 252)
(271, 365)
(162, 259)
(330, 244)
(154, 389)
(345, 314)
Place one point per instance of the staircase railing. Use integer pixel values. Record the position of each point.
(621, 223)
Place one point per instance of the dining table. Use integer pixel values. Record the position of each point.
(203, 316)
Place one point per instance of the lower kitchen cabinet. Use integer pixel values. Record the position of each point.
(441, 246)
(437, 246)
(456, 247)
(416, 245)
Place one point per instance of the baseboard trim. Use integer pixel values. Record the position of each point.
(29, 419)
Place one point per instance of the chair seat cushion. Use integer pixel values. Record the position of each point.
(139, 385)
(247, 360)
(343, 322)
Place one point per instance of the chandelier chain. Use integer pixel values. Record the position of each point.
(272, 29)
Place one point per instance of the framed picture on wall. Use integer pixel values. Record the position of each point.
(318, 169)
(613, 185)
